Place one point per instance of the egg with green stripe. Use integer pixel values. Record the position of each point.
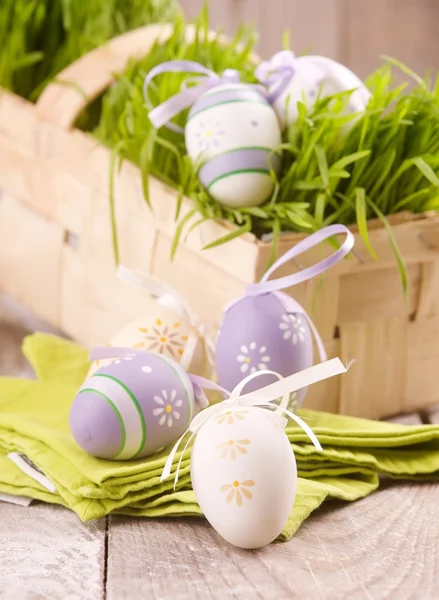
(232, 131)
(132, 407)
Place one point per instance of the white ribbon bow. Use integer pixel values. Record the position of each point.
(264, 397)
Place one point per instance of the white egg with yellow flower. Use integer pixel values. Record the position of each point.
(244, 475)
(169, 328)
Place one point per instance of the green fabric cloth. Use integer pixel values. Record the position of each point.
(34, 422)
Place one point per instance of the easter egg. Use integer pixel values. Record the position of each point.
(132, 407)
(318, 76)
(166, 333)
(263, 332)
(244, 475)
(231, 131)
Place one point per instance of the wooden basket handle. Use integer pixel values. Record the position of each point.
(63, 100)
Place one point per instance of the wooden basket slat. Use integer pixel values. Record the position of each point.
(56, 252)
(30, 258)
(376, 383)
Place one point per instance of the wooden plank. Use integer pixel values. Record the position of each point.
(307, 34)
(375, 386)
(47, 553)
(378, 294)
(363, 550)
(318, 36)
(405, 30)
(30, 258)
(422, 380)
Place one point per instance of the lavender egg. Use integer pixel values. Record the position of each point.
(132, 407)
(263, 332)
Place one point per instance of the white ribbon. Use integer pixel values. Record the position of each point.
(264, 397)
(168, 298)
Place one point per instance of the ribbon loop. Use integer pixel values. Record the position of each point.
(262, 398)
(276, 73)
(309, 242)
(162, 114)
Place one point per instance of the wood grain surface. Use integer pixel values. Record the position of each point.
(353, 32)
(47, 554)
(381, 547)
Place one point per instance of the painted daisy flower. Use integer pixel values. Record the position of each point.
(208, 135)
(231, 448)
(293, 328)
(253, 358)
(163, 339)
(168, 403)
(237, 490)
(230, 416)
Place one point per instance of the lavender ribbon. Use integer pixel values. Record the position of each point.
(162, 114)
(275, 285)
(276, 73)
(311, 241)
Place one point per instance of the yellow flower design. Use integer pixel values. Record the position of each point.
(163, 338)
(232, 447)
(230, 416)
(237, 490)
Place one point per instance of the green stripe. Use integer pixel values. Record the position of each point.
(116, 412)
(265, 171)
(262, 102)
(136, 404)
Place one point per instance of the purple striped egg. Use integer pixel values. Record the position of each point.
(263, 332)
(132, 407)
(232, 131)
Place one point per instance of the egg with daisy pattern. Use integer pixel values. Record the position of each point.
(232, 132)
(163, 332)
(244, 476)
(263, 332)
(132, 407)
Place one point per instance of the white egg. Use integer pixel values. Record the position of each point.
(318, 76)
(244, 475)
(231, 131)
(164, 332)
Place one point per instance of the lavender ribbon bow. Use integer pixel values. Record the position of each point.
(162, 114)
(276, 73)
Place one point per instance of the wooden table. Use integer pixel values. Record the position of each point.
(385, 546)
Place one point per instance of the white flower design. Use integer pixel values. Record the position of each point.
(126, 357)
(167, 405)
(208, 134)
(253, 358)
(293, 328)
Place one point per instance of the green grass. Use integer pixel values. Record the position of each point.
(385, 161)
(38, 38)
(335, 168)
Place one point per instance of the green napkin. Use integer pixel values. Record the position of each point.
(34, 422)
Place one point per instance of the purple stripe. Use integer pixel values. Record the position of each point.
(236, 160)
(241, 94)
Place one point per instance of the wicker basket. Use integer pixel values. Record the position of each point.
(56, 251)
